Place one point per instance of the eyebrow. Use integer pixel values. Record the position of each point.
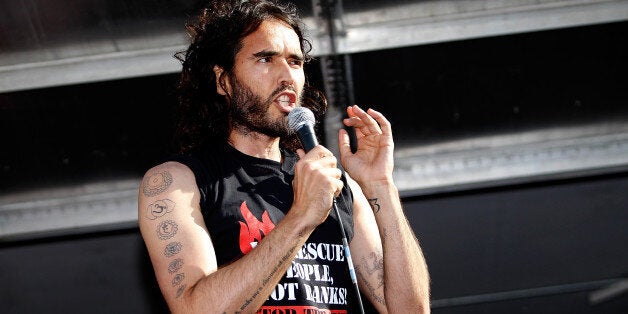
(271, 53)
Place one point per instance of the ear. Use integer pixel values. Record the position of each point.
(222, 83)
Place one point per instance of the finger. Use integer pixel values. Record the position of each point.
(315, 153)
(384, 124)
(324, 153)
(344, 144)
(330, 172)
(339, 188)
(339, 185)
(352, 119)
(328, 162)
(367, 123)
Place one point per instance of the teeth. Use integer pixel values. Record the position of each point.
(284, 99)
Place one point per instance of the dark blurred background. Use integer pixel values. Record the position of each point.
(510, 119)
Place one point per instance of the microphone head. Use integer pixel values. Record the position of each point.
(300, 116)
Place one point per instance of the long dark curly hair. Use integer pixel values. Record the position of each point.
(202, 115)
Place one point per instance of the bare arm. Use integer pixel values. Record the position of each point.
(388, 259)
(182, 253)
(391, 269)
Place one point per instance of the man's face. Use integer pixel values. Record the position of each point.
(267, 80)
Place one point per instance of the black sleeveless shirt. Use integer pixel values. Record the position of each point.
(243, 198)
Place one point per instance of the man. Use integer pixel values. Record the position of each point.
(240, 221)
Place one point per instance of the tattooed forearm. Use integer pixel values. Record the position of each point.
(373, 265)
(156, 183)
(286, 258)
(369, 286)
(159, 208)
(374, 205)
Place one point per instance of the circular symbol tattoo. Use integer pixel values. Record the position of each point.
(178, 278)
(157, 183)
(180, 291)
(159, 208)
(167, 229)
(175, 266)
(172, 249)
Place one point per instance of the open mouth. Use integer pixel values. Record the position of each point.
(286, 99)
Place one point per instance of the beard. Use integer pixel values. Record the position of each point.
(249, 111)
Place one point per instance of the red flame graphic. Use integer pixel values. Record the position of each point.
(251, 227)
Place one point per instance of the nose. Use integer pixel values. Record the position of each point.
(287, 74)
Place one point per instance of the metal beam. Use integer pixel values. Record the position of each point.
(506, 159)
(427, 22)
(93, 206)
(390, 26)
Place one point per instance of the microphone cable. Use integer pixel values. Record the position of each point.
(345, 244)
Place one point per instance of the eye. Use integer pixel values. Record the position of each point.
(265, 59)
(297, 63)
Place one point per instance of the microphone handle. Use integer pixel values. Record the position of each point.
(307, 136)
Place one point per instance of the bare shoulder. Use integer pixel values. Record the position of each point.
(161, 178)
(165, 187)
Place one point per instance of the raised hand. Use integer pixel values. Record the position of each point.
(373, 161)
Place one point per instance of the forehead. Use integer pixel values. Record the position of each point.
(272, 35)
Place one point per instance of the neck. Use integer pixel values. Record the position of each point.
(256, 145)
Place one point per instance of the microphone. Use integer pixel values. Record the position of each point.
(301, 120)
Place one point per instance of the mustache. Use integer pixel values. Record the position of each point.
(281, 89)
